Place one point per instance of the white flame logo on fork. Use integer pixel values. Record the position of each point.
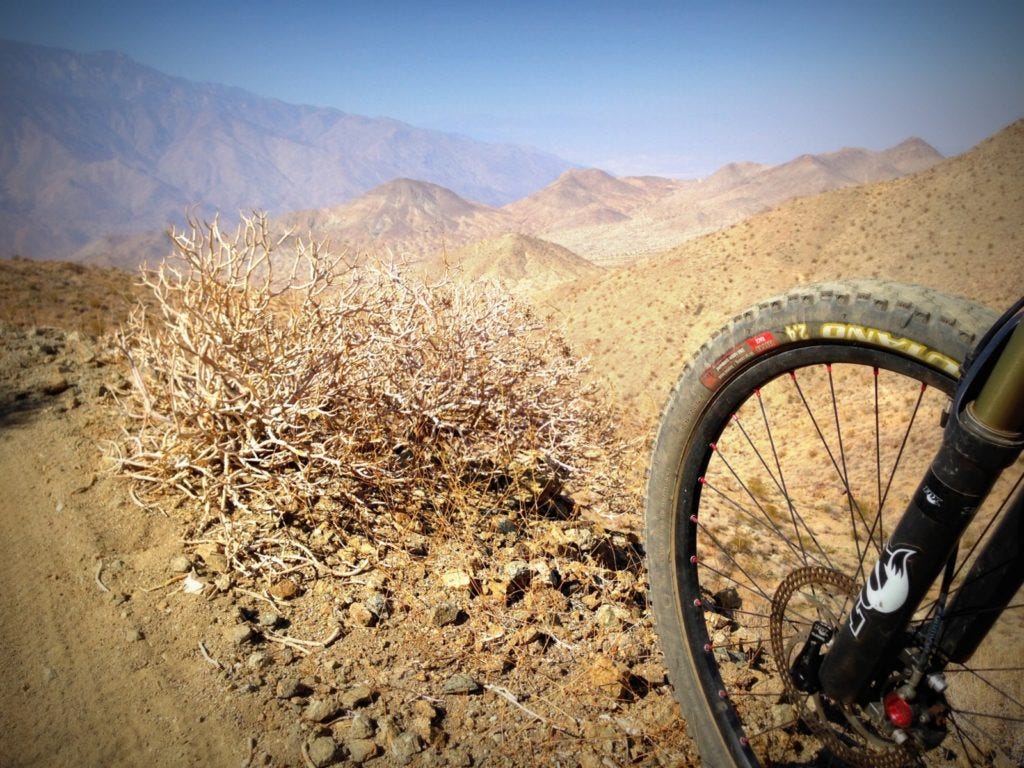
(887, 587)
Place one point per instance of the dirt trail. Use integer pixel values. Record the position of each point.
(90, 677)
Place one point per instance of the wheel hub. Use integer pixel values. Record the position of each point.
(798, 643)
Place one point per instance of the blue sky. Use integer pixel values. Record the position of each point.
(673, 88)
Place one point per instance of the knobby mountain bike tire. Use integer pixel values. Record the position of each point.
(784, 458)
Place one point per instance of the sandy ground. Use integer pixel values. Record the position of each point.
(96, 670)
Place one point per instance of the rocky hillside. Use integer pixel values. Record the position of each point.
(661, 216)
(958, 227)
(403, 219)
(526, 265)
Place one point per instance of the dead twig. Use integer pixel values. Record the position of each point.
(99, 582)
(207, 656)
(172, 580)
(304, 645)
(511, 699)
(305, 755)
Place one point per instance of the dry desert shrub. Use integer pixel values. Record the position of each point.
(294, 399)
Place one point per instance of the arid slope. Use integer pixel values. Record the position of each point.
(958, 227)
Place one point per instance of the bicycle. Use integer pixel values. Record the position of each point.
(833, 532)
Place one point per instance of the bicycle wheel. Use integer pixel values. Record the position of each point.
(785, 456)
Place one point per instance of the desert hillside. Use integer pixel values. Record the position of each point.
(639, 217)
(527, 266)
(958, 226)
(404, 220)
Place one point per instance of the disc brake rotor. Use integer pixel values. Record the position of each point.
(844, 730)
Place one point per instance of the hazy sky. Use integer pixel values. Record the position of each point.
(675, 88)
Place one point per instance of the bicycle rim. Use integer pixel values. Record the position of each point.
(798, 470)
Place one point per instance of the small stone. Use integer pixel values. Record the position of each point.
(503, 524)
(458, 580)
(269, 618)
(653, 672)
(222, 582)
(417, 545)
(180, 564)
(213, 557)
(783, 715)
(361, 615)
(423, 708)
(361, 750)
(728, 599)
(582, 538)
(516, 570)
(404, 746)
(388, 730)
(525, 635)
(460, 684)
(322, 751)
(719, 621)
(285, 589)
(544, 573)
(356, 696)
(289, 687)
(608, 617)
(458, 757)
(54, 384)
(239, 634)
(134, 635)
(257, 660)
(377, 605)
(49, 675)
(361, 727)
(607, 677)
(444, 614)
(319, 710)
(427, 731)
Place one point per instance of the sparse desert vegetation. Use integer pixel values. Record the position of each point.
(297, 403)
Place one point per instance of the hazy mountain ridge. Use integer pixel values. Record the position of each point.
(97, 145)
(405, 219)
(734, 192)
(606, 219)
(588, 197)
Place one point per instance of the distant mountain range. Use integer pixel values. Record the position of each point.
(584, 212)
(93, 145)
(596, 216)
(98, 154)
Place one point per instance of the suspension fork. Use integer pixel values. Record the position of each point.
(987, 589)
(984, 434)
